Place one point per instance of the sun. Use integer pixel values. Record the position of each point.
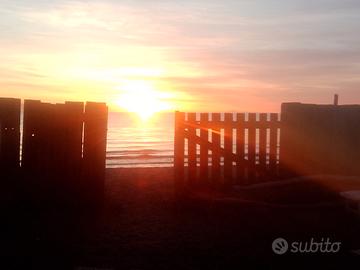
(142, 98)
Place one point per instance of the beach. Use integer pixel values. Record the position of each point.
(143, 226)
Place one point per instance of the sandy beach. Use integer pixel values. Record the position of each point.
(142, 226)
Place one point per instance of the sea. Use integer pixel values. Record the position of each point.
(134, 142)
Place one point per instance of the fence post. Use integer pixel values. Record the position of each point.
(273, 142)
(263, 143)
(95, 130)
(204, 137)
(252, 145)
(228, 147)
(215, 156)
(31, 143)
(9, 134)
(74, 113)
(192, 155)
(9, 144)
(179, 148)
(240, 147)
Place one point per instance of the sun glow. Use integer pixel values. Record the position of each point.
(142, 98)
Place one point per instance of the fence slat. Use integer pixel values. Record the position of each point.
(53, 156)
(204, 157)
(74, 113)
(215, 159)
(75, 118)
(95, 130)
(192, 146)
(179, 148)
(255, 143)
(240, 147)
(262, 141)
(273, 143)
(51, 186)
(9, 134)
(31, 142)
(228, 146)
(251, 144)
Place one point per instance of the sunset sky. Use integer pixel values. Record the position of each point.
(229, 55)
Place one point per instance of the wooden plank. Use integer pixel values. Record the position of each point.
(353, 139)
(51, 159)
(212, 146)
(338, 140)
(179, 148)
(273, 143)
(192, 147)
(73, 113)
(222, 125)
(262, 141)
(240, 147)
(9, 134)
(94, 154)
(60, 139)
(204, 156)
(74, 134)
(31, 141)
(228, 146)
(35, 146)
(289, 137)
(50, 179)
(252, 145)
(215, 157)
(45, 130)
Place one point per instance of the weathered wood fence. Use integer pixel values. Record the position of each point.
(230, 149)
(63, 149)
(225, 148)
(321, 139)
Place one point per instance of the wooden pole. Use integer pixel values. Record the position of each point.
(263, 141)
(74, 113)
(273, 142)
(9, 134)
(95, 131)
(252, 145)
(215, 159)
(228, 145)
(240, 147)
(192, 155)
(179, 148)
(30, 141)
(204, 157)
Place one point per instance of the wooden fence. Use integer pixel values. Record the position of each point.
(9, 135)
(63, 148)
(321, 139)
(225, 148)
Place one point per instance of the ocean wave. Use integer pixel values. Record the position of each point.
(138, 151)
(138, 157)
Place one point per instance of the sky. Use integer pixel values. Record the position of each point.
(190, 55)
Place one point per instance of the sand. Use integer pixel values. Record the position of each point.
(142, 226)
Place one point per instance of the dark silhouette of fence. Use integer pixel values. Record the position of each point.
(9, 135)
(63, 149)
(246, 148)
(236, 149)
(321, 139)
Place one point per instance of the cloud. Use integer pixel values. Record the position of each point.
(220, 53)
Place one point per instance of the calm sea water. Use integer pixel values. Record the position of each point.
(135, 143)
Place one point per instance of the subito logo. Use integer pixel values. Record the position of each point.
(280, 246)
